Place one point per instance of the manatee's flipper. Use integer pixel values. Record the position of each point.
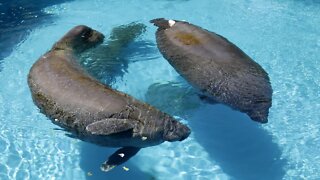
(71, 135)
(59, 129)
(120, 156)
(110, 126)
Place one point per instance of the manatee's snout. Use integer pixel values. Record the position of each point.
(184, 132)
(80, 38)
(96, 37)
(175, 131)
(259, 116)
(91, 38)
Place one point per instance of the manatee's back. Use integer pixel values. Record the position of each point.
(65, 93)
(217, 67)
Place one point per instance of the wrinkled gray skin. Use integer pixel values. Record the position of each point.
(92, 111)
(216, 67)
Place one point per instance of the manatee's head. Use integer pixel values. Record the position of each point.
(174, 130)
(79, 38)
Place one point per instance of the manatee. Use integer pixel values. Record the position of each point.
(92, 111)
(215, 67)
(105, 62)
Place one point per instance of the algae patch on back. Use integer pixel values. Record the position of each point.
(187, 38)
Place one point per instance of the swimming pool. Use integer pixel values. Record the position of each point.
(283, 36)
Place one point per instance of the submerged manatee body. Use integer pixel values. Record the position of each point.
(105, 62)
(216, 67)
(93, 112)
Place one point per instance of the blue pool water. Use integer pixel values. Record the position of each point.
(283, 36)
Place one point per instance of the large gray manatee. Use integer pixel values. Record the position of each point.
(216, 67)
(93, 112)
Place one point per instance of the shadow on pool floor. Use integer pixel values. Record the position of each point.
(241, 147)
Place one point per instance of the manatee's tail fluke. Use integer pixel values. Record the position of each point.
(161, 23)
(119, 157)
